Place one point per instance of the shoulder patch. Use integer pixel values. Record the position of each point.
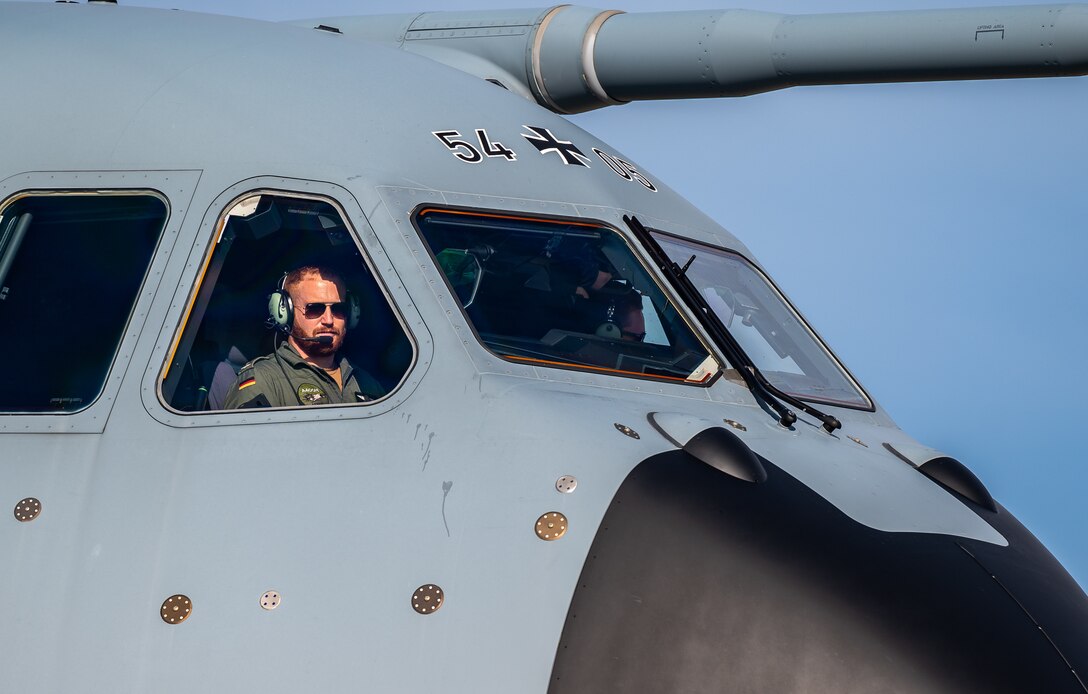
(246, 383)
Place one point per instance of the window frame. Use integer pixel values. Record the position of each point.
(190, 286)
(637, 255)
(175, 190)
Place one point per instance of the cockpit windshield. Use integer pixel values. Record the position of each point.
(774, 336)
(562, 294)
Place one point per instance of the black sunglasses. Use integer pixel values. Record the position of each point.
(317, 309)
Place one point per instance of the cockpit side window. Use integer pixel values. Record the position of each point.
(71, 268)
(287, 314)
(765, 325)
(562, 293)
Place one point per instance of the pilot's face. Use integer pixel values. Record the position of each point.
(320, 309)
(633, 324)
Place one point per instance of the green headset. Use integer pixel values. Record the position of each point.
(281, 309)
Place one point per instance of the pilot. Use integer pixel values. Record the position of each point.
(583, 297)
(312, 306)
(599, 296)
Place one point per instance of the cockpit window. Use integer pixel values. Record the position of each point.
(287, 314)
(784, 349)
(71, 267)
(562, 293)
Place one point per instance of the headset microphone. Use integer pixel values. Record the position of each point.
(320, 339)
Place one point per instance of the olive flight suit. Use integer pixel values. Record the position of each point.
(284, 379)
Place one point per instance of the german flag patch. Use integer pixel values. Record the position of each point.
(246, 383)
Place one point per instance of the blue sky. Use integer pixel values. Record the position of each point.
(934, 234)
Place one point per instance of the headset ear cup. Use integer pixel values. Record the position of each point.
(355, 311)
(281, 311)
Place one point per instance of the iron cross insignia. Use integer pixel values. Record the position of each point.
(543, 140)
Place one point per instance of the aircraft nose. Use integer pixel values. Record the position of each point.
(700, 582)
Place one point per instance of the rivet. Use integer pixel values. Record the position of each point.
(858, 441)
(28, 509)
(176, 609)
(427, 599)
(735, 424)
(551, 526)
(626, 430)
(270, 600)
(566, 484)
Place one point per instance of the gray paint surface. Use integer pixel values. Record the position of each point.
(370, 503)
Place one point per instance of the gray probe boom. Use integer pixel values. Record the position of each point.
(573, 59)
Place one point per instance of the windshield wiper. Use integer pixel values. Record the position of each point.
(753, 377)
